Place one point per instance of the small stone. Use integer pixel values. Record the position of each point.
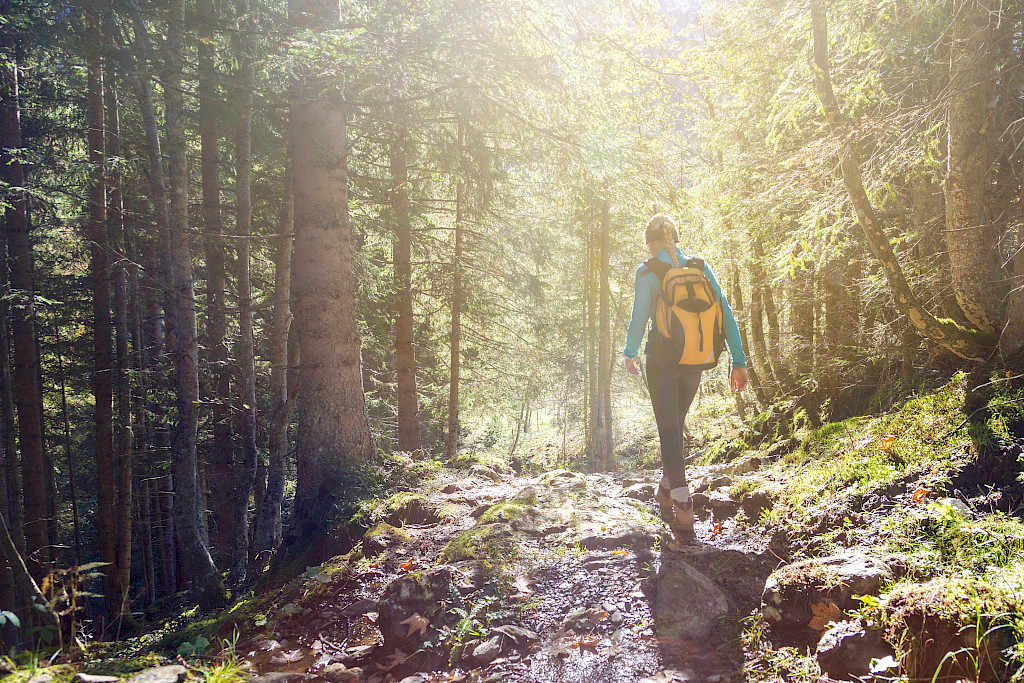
(845, 651)
(517, 634)
(41, 678)
(720, 482)
(574, 615)
(451, 488)
(484, 472)
(339, 673)
(161, 674)
(487, 651)
(360, 607)
(642, 491)
(91, 678)
(415, 678)
(722, 505)
(615, 617)
(280, 677)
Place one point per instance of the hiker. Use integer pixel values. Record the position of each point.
(686, 337)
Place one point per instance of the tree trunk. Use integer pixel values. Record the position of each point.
(142, 432)
(103, 351)
(11, 482)
(1011, 341)
(123, 456)
(334, 433)
(970, 236)
(220, 453)
(455, 341)
(803, 305)
(181, 336)
(245, 474)
(405, 354)
(970, 344)
(266, 533)
(605, 453)
(23, 326)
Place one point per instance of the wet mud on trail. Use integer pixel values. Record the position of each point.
(606, 595)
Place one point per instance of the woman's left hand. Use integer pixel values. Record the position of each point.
(739, 380)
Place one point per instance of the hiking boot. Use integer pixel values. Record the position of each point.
(682, 517)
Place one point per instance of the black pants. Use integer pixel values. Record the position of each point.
(672, 392)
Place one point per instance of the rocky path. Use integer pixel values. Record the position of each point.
(558, 577)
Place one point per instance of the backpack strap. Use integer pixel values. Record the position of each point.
(658, 267)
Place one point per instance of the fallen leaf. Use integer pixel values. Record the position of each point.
(717, 528)
(595, 615)
(620, 552)
(415, 623)
(887, 442)
(408, 564)
(589, 642)
(604, 528)
(824, 612)
(394, 659)
(287, 657)
(920, 494)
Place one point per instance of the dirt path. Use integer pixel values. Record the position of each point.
(592, 583)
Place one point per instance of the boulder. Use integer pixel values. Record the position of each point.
(687, 605)
(951, 629)
(845, 651)
(800, 599)
(92, 678)
(410, 606)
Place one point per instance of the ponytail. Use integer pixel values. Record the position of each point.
(663, 227)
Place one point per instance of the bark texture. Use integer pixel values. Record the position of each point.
(182, 337)
(970, 236)
(334, 433)
(266, 534)
(25, 357)
(219, 456)
(405, 353)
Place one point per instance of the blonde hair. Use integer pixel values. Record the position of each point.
(663, 227)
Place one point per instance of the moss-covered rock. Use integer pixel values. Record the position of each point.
(382, 536)
(489, 544)
(802, 598)
(950, 629)
(410, 508)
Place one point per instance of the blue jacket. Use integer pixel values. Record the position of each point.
(645, 295)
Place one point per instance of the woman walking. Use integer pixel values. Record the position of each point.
(689, 316)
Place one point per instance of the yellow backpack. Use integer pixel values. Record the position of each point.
(688, 325)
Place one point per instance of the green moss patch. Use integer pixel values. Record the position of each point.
(489, 544)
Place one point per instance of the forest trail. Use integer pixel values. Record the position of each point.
(589, 580)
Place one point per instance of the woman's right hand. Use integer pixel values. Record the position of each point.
(633, 366)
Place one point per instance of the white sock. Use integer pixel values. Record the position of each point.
(681, 494)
